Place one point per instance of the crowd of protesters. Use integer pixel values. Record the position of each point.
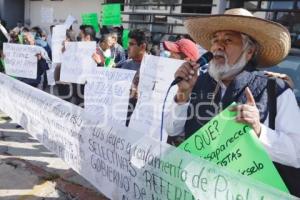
(110, 53)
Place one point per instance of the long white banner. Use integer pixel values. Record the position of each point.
(122, 163)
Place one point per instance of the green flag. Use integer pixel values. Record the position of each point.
(111, 14)
(125, 38)
(90, 19)
(235, 146)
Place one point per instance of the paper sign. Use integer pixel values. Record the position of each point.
(235, 146)
(47, 15)
(111, 14)
(69, 21)
(156, 75)
(77, 61)
(50, 74)
(106, 94)
(121, 163)
(20, 60)
(58, 36)
(125, 38)
(91, 19)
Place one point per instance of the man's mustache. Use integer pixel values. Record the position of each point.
(220, 53)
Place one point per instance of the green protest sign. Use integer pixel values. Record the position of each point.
(235, 146)
(109, 62)
(125, 38)
(21, 39)
(111, 14)
(90, 19)
(1, 65)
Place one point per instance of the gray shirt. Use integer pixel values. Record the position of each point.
(131, 65)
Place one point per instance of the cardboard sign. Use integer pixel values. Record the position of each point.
(91, 19)
(111, 14)
(235, 146)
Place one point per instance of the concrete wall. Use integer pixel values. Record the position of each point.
(12, 11)
(61, 10)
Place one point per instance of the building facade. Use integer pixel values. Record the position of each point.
(157, 16)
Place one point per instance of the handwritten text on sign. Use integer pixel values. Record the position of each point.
(156, 75)
(77, 61)
(106, 94)
(20, 60)
(122, 163)
(58, 36)
(235, 146)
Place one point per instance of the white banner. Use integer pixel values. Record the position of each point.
(20, 60)
(77, 62)
(106, 94)
(156, 75)
(122, 163)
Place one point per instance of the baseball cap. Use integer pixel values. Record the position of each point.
(185, 46)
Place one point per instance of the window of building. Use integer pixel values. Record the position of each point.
(117, 1)
(192, 6)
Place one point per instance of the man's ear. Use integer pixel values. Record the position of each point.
(250, 53)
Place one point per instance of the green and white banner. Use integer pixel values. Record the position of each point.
(119, 162)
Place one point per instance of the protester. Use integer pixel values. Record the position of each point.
(103, 55)
(42, 65)
(66, 91)
(240, 44)
(117, 51)
(137, 46)
(284, 77)
(18, 28)
(183, 49)
(87, 34)
(14, 37)
(41, 39)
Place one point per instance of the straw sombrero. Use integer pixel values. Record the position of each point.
(273, 38)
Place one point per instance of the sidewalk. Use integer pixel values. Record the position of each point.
(28, 171)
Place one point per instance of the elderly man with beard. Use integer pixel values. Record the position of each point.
(240, 44)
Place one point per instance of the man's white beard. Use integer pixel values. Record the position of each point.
(222, 71)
